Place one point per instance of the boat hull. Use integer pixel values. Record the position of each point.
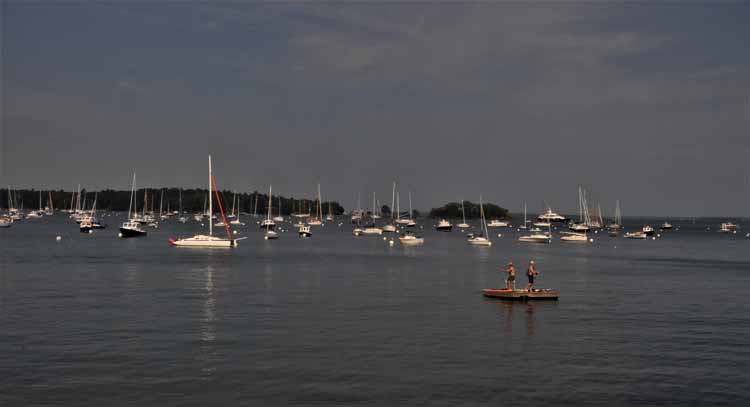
(444, 228)
(125, 232)
(521, 295)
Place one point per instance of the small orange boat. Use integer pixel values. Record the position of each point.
(522, 295)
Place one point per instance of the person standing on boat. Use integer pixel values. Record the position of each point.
(531, 273)
(511, 270)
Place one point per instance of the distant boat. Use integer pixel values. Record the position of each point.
(269, 223)
(132, 228)
(329, 217)
(444, 226)
(317, 220)
(209, 241)
(304, 230)
(372, 231)
(280, 218)
(617, 221)
(636, 235)
(410, 239)
(666, 226)
(236, 221)
(494, 223)
(574, 237)
(483, 238)
(536, 238)
(525, 221)
(551, 216)
(5, 221)
(648, 230)
(728, 227)
(463, 224)
(390, 227)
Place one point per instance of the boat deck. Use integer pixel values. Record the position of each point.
(522, 295)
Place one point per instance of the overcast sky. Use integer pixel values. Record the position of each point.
(648, 104)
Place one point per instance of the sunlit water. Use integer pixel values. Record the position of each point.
(340, 320)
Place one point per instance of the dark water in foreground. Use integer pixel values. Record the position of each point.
(338, 320)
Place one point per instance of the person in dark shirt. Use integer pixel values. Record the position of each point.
(511, 270)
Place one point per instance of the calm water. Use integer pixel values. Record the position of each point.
(338, 320)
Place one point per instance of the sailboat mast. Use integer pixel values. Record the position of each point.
(393, 198)
(130, 205)
(210, 201)
(411, 212)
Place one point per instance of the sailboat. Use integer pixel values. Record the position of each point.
(268, 223)
(236, 221)
(182, 218)
(329, 217)
(390, 227)
(483, 238)
(280, 218)
(317, 219)
(617, 221)
(209, 240)
(583, 214)
(410, 222)
(525, 220)
(463, 224)
(132, 228)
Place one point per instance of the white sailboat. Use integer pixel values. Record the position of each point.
(236, 221)
(268, 223)
(463, 224)
(280, 218)
(390, 227)
(317, 220)
(209, 240)
(483, 238)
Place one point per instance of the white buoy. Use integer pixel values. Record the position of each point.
(58, 238)
(235, 232)
(385, 238)
(591, 240)
(391, 243)
(653, 238)
(499, 235)
(119, 235)
(91, 231)
(658, 235)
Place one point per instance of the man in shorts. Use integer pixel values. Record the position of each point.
(531, 273)
(511, 270)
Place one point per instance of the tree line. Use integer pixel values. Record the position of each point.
(193, 201)
(453, 210)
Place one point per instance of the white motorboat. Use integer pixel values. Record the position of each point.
(666, 226)
(636, 235)
(536, 238)
(410, 239)
(574, 237)
(209, 240)
(648, 230)
(372, 231)
(551, 216)
(542, 224)
(579, 227)
(497, 224)
(5, 221)
(270, 235)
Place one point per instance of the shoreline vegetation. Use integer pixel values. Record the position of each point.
(193, 200)
(452, 210)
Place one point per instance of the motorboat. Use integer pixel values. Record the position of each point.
(270, 235)
(667, 226)
(372, 231)
(497, 224)
(536, 238)
(410, 239)
(574, 237)
(636, 235)
(648, 230)
(444, 226)
(304, 231)
(389, 228)
(727, 227)
(551, 216)
(579, 227)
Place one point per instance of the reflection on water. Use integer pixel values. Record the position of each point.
(526, 310)
(208, 324)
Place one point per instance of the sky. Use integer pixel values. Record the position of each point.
(648, 104)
